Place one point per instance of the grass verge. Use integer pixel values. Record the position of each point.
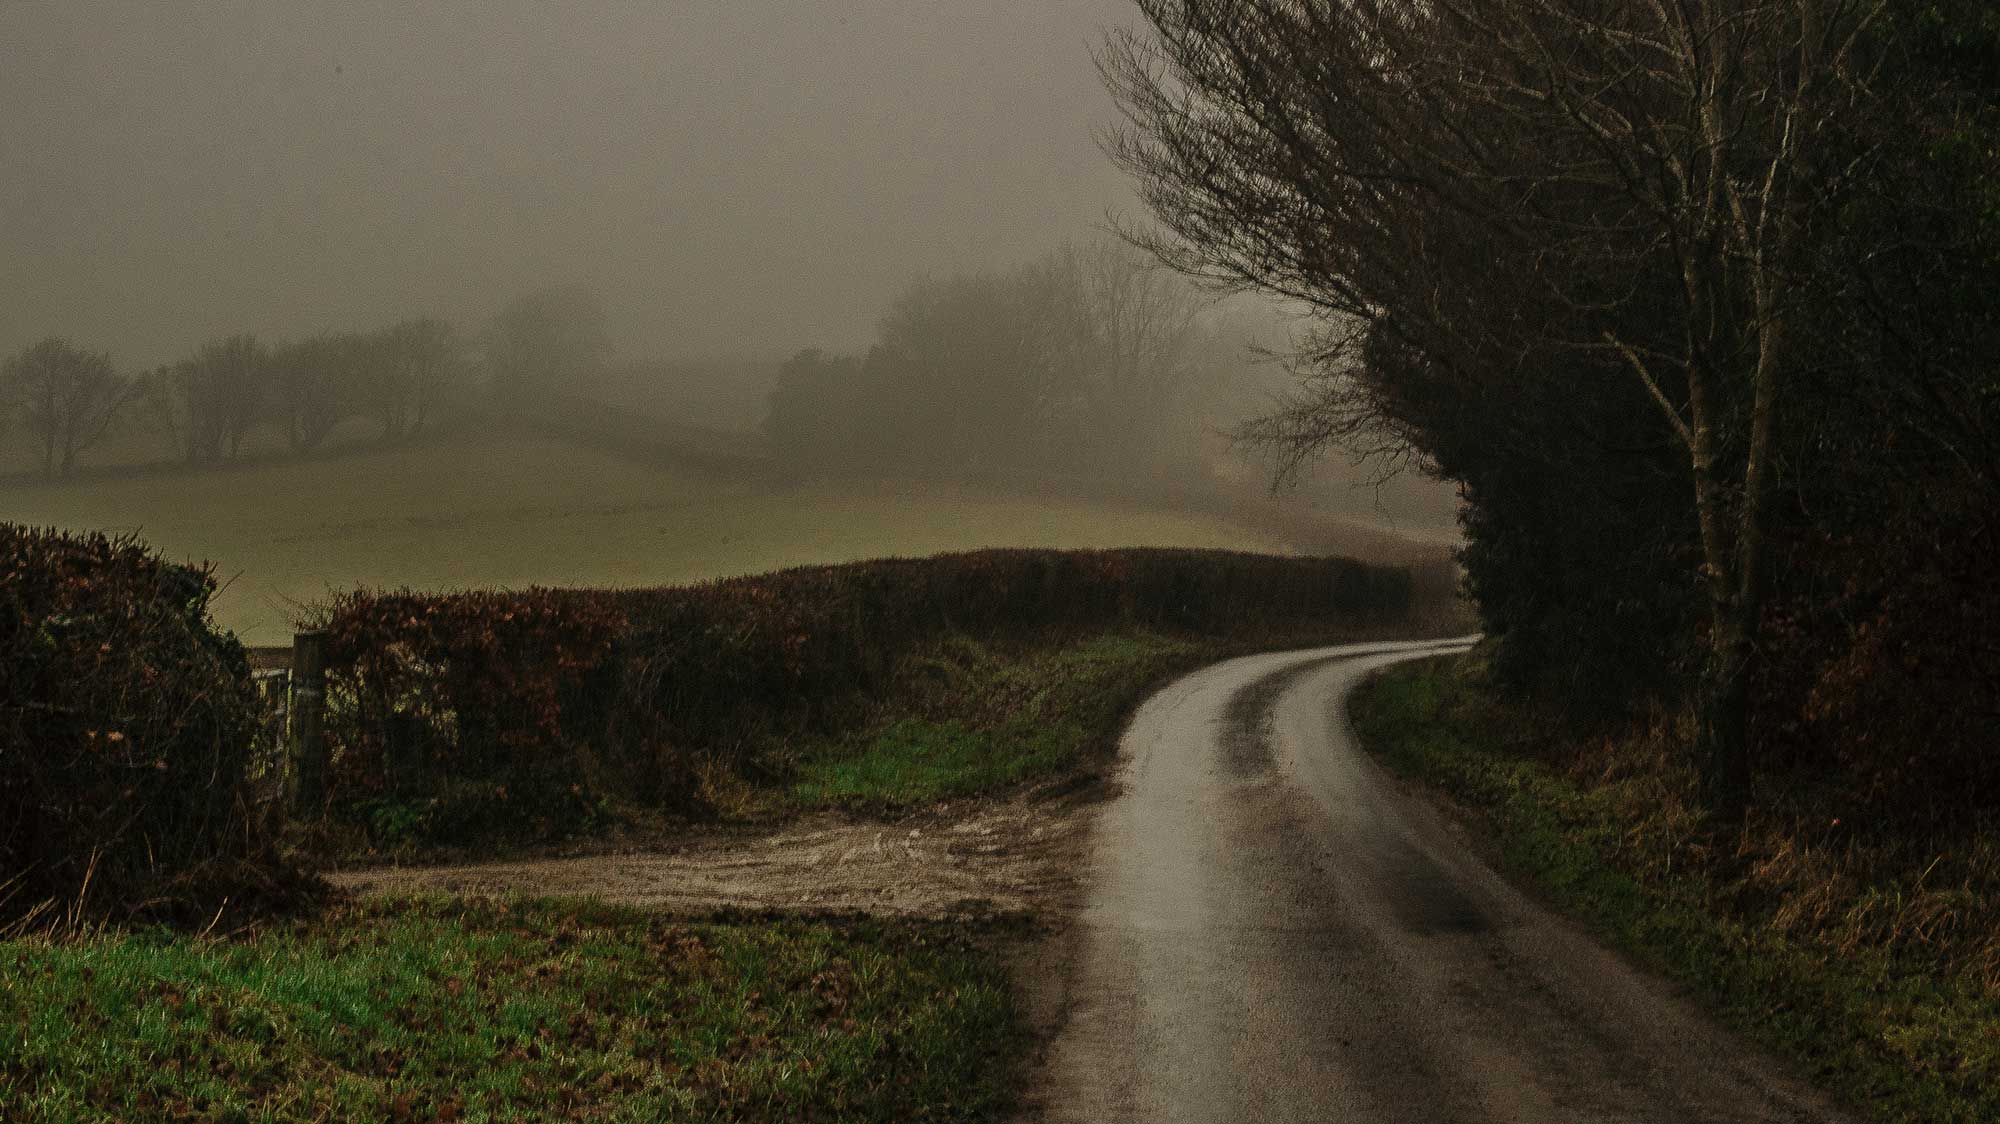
(977, 716)
(1890, 1022)
(433, 1010)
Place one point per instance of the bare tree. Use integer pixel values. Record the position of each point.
(426, 360)
(971, 369)
(1144, 321)
(401, 375)
(68, 398)
(310, 380)
(206, 404)
(234, 368)
(379, 380)
(1468, 192)
(546, 340)
(1071, 359)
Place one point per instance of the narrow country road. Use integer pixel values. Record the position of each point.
(1275, 932)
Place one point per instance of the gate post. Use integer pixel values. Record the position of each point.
(308, 709)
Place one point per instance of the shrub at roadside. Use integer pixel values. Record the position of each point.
(648, 691)
(127, 726)
(460, 711)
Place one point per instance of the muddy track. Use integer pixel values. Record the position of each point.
(1013, 855)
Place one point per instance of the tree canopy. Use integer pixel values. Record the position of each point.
(1639, 276)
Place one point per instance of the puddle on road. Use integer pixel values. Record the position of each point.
(1425, 899)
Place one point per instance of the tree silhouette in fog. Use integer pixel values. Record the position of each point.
(67, 398)
(546, 341)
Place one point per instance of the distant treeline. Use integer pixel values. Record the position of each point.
(1088, 361)
(729, 393)
(62, 399)
(202, 408)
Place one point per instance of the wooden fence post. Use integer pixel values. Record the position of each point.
(308, 709)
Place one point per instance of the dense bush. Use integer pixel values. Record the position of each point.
(1757, 482)
(543, 691)
(1880, 685)
(468, 699)
(127, 724)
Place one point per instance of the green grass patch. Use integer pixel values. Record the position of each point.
(977, 717)
(913, 761)
(427, 1010)
(1901, 1034)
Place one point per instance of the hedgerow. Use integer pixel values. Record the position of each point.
(531, 700)
(127, 727)
(463, 699)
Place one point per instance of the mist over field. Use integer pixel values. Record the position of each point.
(466, 294)
(732, 177)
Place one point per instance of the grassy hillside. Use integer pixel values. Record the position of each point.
(507, 511)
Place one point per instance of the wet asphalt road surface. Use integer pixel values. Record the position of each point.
(1276, 931)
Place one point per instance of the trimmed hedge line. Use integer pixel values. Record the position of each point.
(476, 696)
(127, 727)
(515, 700)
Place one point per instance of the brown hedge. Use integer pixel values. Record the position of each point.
(534, 691)
(127, 725)
(478, 692)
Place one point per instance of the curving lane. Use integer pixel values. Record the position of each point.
(1276, 932)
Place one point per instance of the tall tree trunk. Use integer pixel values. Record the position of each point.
(1723, 748)
(1721, 752)
(1736, 586)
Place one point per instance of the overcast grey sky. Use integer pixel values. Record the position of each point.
(733, 175)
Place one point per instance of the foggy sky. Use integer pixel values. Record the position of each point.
(735, 176)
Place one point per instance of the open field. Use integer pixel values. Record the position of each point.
(473, 510)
